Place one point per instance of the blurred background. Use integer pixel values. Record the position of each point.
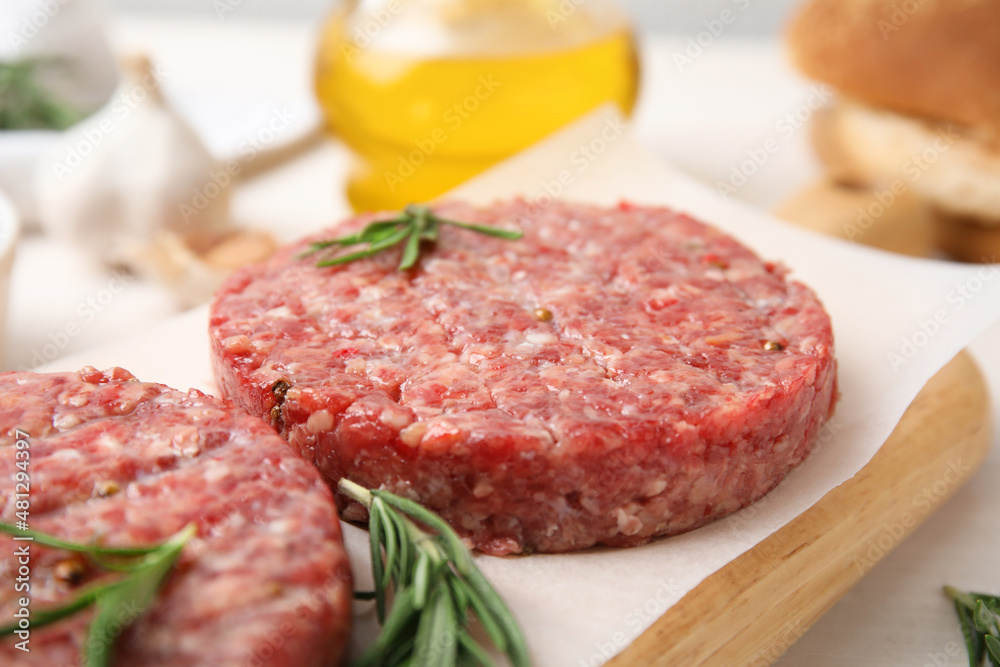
(761, 19)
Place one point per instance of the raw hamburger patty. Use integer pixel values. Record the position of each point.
(264, 583)
(678, 379)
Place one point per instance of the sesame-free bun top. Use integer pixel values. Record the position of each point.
(939, 59)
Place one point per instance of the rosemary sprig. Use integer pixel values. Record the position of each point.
(979, 615)
(436, 586)
(414, 225)
(118, 603)
(25, 104)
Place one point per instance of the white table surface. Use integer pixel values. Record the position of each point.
(703, 118)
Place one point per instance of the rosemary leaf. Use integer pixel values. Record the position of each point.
(993, 646)
(346, 259)
(316, 246)
(980, 623)
(516, 648)
(399, 655)
(973, 640)
(486, 619)
(407, 553)
(459, 595)
(473, 651)
(484, 229)
(436, 584)
(432, 231)
(114, 563)
(434, 636)
(129, 598)
(412, 251)
(983, 618)
(445, 651)
(385, 241)
(421, 580)
(391, 539)
(88, 549)
(375, 232)
(119, 603)
(399, 625)
(42, 617)
(454, 547)
(492, 606)
(415, 224)
(375, 541)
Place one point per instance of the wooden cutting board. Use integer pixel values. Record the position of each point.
(752, 610)
(755, 608)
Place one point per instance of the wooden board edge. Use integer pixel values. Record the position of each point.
(755, 608)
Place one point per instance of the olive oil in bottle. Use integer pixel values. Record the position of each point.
(427, 93)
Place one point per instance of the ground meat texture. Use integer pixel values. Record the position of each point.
(264, 583)
(615, 375)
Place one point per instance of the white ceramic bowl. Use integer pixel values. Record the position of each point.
(10, 227)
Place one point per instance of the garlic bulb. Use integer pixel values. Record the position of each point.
(131, 173)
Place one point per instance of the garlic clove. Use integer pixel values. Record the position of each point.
(193, 265)
(240, 248)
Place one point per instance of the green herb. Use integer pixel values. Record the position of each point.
(414, 226)
(118, 604)
(27, 105)
(436, 586)
(979, 616)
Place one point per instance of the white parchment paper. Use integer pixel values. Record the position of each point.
(896, 322)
